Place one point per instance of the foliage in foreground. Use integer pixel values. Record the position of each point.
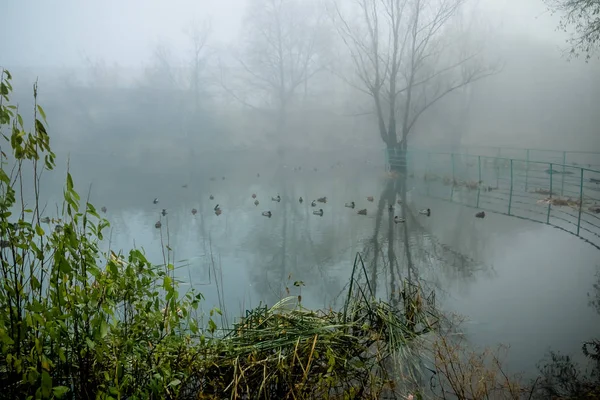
(78, 323)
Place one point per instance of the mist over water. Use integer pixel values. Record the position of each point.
(182, 101)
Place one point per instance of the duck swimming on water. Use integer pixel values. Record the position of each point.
(362, 212)
(398, 220)
(103, 209)
(194, 211)
(164, 212)
(255, 202)
(370, 198)
(425, 212)
(155, 200)
(253, 195)
(313, 203)
(277, 199)
(267, 214)
(322, 199)
(319, 212)
(350, 205)
(157, 225)
(391, 208)
(211, 197)
(480, 214)
(300, 200)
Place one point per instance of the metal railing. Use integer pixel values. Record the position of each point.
(584, 159)
(564, 196)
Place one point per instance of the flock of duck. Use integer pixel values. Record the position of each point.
(323, 200)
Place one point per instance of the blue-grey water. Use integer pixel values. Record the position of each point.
(519, 283)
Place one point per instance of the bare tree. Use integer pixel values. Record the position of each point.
(406, 59)
(160, 73)
(282, 51)
(584, 17)
(198, 34)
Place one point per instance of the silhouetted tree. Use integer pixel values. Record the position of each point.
(281, 52)
(404, 59)
(584, 17)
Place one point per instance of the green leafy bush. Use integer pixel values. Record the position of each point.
(74, 322)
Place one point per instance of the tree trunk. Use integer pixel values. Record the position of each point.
(397, 157)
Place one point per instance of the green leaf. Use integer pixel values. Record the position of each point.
(69, 182)
(103, 329)
(60, 391)
(3, 177)
(39, 230)
(46, 384)
(174, 382)
(90, 343)
(20, 120)
(212, 327)
(42, 113)
(61, 354)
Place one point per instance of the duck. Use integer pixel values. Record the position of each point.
(370, 198)
(211, 197)
(322, 199)
(350, 205)
(313, 203)
(155, 200)
(319, 212)
(266, 214)
(399, 202)
(184, 186)
(480, 214)
(390, 208)
(300, 200)
(398, 220)
(103, 209)
(157, 225)
(45, 220)
(255, 202)
(277, 199)
(164, 212)
(217, 208)
(362, 212)
(218, 211)
(194, 211)
(253, 195)
(425, 211)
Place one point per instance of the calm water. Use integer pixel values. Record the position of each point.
(518, 282)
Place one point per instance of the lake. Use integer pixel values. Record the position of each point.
(520, 283)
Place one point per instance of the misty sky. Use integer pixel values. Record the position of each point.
(62, 33)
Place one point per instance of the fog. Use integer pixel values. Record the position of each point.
(539, 99)
(234, 97)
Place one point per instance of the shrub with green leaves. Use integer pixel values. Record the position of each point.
(74, 322)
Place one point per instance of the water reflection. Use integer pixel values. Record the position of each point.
(514, 279)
